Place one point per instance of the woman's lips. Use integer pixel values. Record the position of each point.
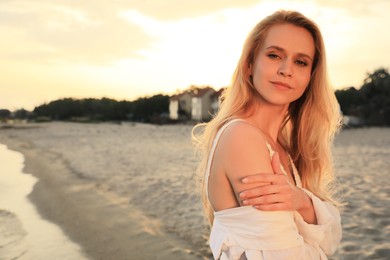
(281, 85)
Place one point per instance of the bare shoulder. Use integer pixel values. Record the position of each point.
(243, 137)
(240, 132)
(243, 149)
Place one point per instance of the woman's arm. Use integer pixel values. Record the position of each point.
(279, 194)
(241, 152)
(325, 232)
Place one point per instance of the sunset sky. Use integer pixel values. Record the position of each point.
(126, 49)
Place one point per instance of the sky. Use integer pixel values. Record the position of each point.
(126, 49)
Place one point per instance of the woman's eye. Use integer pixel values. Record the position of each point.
(273, 56)
(301, 63)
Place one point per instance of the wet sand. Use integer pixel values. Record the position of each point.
(127, 191)
(105, 225)
(25, 235)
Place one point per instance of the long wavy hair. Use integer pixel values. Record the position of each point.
(309, 125)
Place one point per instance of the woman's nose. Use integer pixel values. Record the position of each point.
(285, 69)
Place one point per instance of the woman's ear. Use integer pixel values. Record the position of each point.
(250, 69)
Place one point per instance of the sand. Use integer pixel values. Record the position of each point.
(90, 189)
(126, 191)
(362, 158)
(24, 234)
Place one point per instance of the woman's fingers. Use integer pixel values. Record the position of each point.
(274, 190)
(266, 194)
(265, 200)
(265, 178)
(261, 191)
(271, 202)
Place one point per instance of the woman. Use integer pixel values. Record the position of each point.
(266, 155)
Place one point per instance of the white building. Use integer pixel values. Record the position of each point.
(201, 104)
(180, 106)
(215, 101)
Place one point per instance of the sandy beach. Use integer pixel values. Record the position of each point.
(126, 191)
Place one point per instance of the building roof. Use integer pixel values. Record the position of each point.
(193, 92)
(218, 93)
(178, 96)
(200, 92)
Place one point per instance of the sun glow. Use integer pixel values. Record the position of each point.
(125, 51)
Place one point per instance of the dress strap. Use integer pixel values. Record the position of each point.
(296, 176)
(271, 151)
(294, 170)
(271, 154)
(212, 151)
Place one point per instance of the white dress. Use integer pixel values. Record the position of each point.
(248, 233)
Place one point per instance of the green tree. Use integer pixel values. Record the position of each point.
(371, 101)
(350, 100)
(376, 92)
(4, 114)
(21, 113)
(146, 109)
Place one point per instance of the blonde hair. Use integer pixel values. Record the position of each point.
(310, 123)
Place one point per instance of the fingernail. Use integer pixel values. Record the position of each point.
(245, 202)
(242, 195)
(245, 180)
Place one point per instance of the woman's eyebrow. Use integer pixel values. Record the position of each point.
(284, 51)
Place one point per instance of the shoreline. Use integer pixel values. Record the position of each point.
(104, 225)
(127, 191)
(24, 233)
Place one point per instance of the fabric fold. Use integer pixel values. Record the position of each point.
(263, 232)
(327, 233)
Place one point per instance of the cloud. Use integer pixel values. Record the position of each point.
(178, 9)
(53, 32)
(135, 47)
(362, 8)
(88, 31)
(355, 38)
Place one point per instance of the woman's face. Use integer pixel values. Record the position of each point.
(282, 68)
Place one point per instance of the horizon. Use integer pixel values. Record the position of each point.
(178, 91)
(126, 51)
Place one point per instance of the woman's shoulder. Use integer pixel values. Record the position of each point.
(242, 139)
(241, 131)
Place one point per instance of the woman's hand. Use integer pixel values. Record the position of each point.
(277, 193)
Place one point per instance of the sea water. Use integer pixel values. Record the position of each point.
(24, 234)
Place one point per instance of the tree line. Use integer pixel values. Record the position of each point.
(143, 109)
(146, 109)
(370, 103)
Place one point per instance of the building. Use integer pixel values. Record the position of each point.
(198, 104)
(201, 104)
(180, 106)
(215, 101)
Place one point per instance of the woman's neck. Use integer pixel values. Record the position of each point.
(268, 118)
